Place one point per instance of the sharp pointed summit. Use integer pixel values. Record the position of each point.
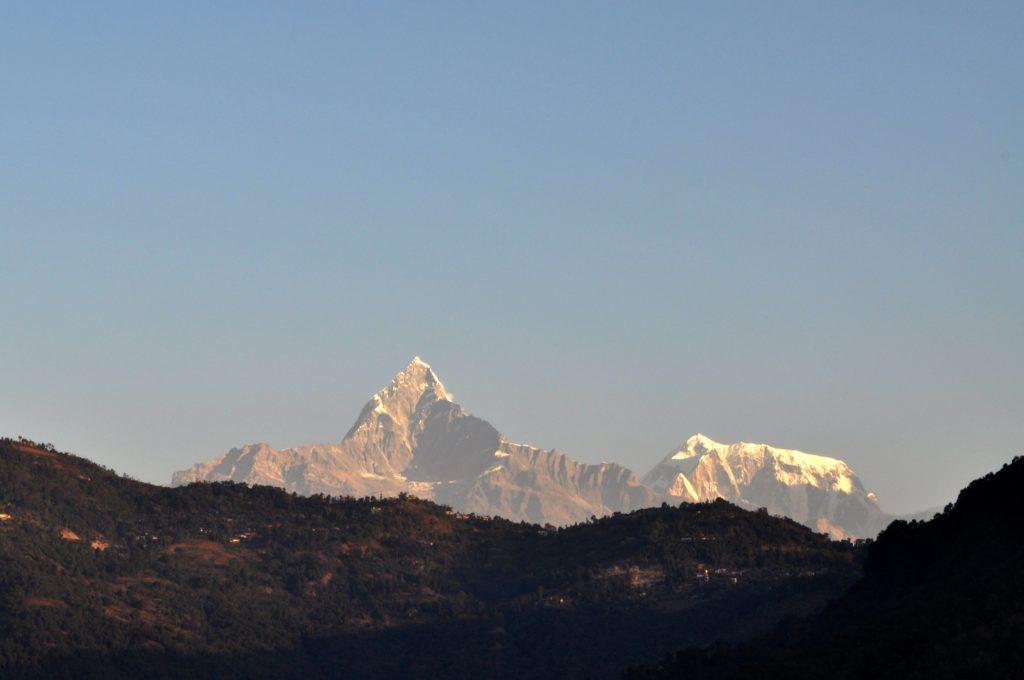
(396, 403)
(416, 377)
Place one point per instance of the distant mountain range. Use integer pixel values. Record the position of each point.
(411, 437)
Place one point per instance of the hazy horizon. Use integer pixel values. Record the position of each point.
(606, 227)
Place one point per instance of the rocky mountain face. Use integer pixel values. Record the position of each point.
(411, 437)
(820, 492)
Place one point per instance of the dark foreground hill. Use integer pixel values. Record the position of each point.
(939, 599)
(103, 576)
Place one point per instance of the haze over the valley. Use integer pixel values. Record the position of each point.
(803, 228)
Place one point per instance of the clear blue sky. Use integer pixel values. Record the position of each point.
(606, 225)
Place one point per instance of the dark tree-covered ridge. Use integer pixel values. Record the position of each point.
(939, 599)
(104, 576)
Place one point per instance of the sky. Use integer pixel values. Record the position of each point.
(607, 226)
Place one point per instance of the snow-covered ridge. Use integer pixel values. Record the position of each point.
(807, 487)
(790, 467)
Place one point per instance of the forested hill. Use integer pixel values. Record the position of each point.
(103, 576)
(939, 599)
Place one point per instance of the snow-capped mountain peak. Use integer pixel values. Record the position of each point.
(804, 486)
(395, 406)
(416, 378)
(789, 466)
(697, 445)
